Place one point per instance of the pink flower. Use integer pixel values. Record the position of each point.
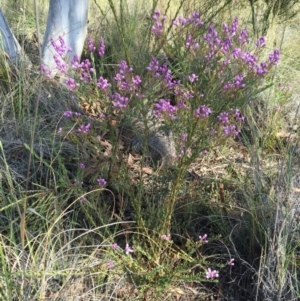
(193, 78)
(128, 249)
(203, 239)
(84, 128)
(110, 264)
(103, 83)
(166, 237)
(211, 274)
(231, 262)
(115, 246)
(101, 182)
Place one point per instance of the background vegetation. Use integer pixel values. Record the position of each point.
(85, 216)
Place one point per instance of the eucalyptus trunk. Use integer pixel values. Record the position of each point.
(67, 19)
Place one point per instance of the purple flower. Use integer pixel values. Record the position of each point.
(261, 69)
(231, 262)
(248, 58)
(136, 80)
(68, 114)
(59, 131)
(231, 130)
(211, 274)
(182, 20)
(110, 264)
(157, 28)
(153, 66)
(237, 114)
(274, 57)
(81, 166)
(225, 27)
(91, 45)
(163, 107)
(193, 78)
(203, 111)
(103, 83)
(236, 52)
(243, 37)
(166, 237)
(128, 249)
(223, 118)
(101, 182)
(184, 137)
(125, 81)
(60, 46)
(234, 27)
(72, 85)
(115, 246)
(45, 71)
(101, 49)
(203, 239)
(119, 101)
(60, 64)
(261, 42)
(84, 128)
(195, 18)
(191, 43)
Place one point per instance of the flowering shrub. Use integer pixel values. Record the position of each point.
(196, 87)
(216, 71)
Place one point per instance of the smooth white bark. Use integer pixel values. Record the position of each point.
(68, 19)
(9, 44)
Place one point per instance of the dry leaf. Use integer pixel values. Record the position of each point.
(130, 160)
(147, 170)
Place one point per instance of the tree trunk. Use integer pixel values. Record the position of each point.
(66, 19)
(9, 43)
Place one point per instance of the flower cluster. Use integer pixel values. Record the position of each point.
(60, 46)
(236, 84)
(158, 26)
(101, 49)
(163, 108)
(92, 48)
(84, 129)
(203, 239)
(71, 84)
(101, 182)
(228, 121)
(163, 73)
(84, 69)
(203, 111)
(103, 84)
(125, 80)
(128, 249)
(119, 101)
(70, 114)
(166, 237)
(191, 43)
(229, 48)
(91, 45)
(211, 274)
(194, 18)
